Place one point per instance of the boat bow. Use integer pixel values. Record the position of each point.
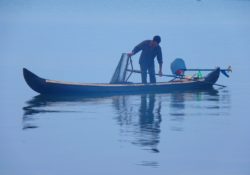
(35, 82)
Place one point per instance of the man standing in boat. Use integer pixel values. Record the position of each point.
(150, 49)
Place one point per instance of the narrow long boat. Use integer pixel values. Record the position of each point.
(52, 87)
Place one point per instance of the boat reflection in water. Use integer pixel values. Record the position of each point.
(140, 117)
(42, 104)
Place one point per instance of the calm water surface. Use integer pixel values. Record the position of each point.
(189, 133)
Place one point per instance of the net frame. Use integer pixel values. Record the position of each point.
(120, 74)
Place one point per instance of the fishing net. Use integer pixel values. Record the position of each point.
(119, 75)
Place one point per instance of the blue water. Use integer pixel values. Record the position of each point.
(82, 41)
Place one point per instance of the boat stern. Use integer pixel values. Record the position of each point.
(213, 76)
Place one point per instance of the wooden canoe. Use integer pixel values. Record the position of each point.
(52, 87)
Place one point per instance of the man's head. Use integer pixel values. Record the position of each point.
(157, 39)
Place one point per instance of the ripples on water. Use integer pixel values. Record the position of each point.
(139, 117)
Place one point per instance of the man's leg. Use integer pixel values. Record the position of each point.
(151, 71)
(143, 73)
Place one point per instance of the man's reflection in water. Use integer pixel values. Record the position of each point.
(149, 120)
(144, 122)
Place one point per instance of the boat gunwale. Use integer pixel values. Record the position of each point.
(122, 85)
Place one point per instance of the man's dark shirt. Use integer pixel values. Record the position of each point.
(148, 53)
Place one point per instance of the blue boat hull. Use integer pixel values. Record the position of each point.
(52, 87)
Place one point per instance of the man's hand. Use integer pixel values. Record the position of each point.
(160, 73)
(130, 54)
(160, 70)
